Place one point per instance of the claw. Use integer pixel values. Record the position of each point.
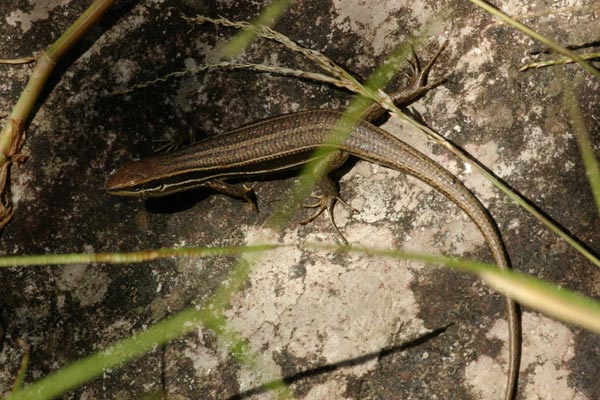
(424, 73)
(175, 142)
(419, 79)
(317, 204)
(314, 216)
(332, 221)
(250, 196)
(415, 63)
(322, 204)
(348, 206)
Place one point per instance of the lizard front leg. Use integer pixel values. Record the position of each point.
(243, 192)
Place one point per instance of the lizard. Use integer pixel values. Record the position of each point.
(287, 142)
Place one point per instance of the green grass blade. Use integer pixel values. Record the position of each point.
(114, 356)
(586, 149)
(555, 46)
(560, 303)
(127, 257)
(554, 301)
(559, 61)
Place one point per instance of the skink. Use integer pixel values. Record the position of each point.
(287, 142)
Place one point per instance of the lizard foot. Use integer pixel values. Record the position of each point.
(327, 203)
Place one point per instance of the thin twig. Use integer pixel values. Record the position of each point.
(12, 135)
(23, 60)
(234, 65)
(559, 61)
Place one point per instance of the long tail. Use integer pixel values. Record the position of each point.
(398, 155)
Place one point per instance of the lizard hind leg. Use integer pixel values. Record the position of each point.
(421, 74)
(417, 87)
(329, 196)
(327, 202)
